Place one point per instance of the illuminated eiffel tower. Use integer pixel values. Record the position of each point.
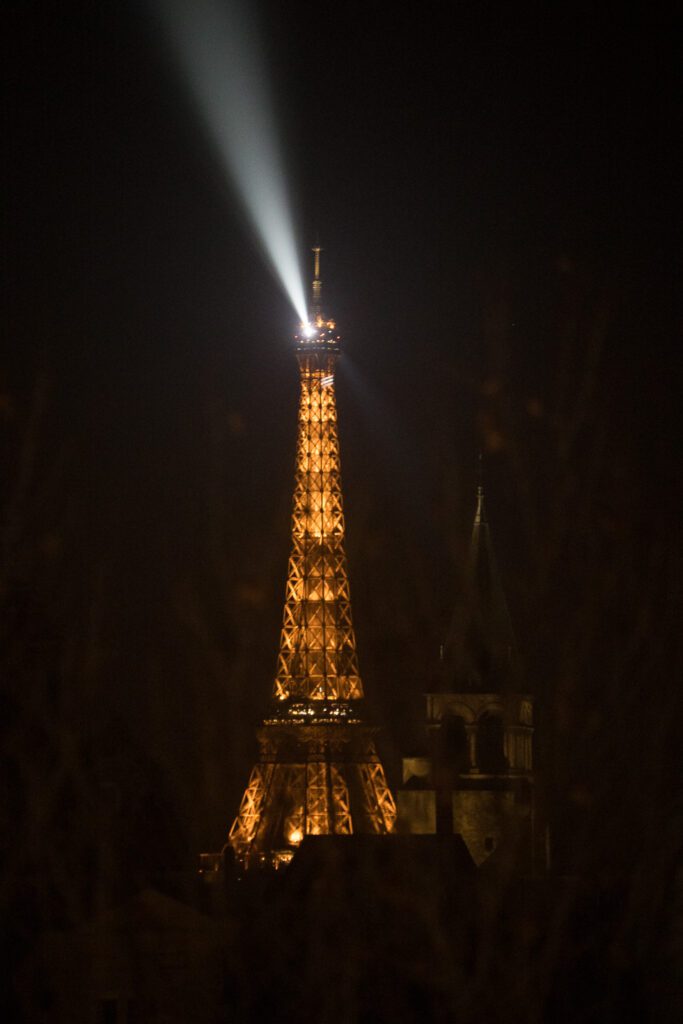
(318, 771)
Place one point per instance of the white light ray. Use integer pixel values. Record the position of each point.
(219, 51)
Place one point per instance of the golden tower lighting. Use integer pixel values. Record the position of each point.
(318, 771)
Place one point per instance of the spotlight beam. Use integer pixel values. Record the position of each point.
(219, 52)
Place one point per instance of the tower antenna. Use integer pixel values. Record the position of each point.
(316, 300)
(480, 516)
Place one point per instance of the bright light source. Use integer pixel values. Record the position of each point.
(222, 57)
(295, 836)
(309, 330)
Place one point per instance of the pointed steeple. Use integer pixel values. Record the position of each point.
(480, 652)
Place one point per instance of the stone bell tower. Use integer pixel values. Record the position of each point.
(475, 776)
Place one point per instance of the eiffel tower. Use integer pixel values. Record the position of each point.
(318, 771)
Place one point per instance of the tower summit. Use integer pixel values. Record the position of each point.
(316, 291)
(318, 771)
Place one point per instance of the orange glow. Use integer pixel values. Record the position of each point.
(318, 657)
(330, 781)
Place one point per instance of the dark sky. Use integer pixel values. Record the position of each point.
(496, 191)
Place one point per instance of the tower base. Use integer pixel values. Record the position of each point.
(318, 773)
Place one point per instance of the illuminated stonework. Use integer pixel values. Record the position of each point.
(476, 777)
(318, 771)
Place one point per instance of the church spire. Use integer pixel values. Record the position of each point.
(481, 651)
(476, 779)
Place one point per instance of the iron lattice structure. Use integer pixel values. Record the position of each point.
(318, 771)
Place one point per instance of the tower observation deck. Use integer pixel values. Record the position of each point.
(318, 771)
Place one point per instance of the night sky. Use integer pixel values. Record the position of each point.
(496, 192)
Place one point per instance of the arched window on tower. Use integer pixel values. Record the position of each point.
(490, 745)
(453, 746)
